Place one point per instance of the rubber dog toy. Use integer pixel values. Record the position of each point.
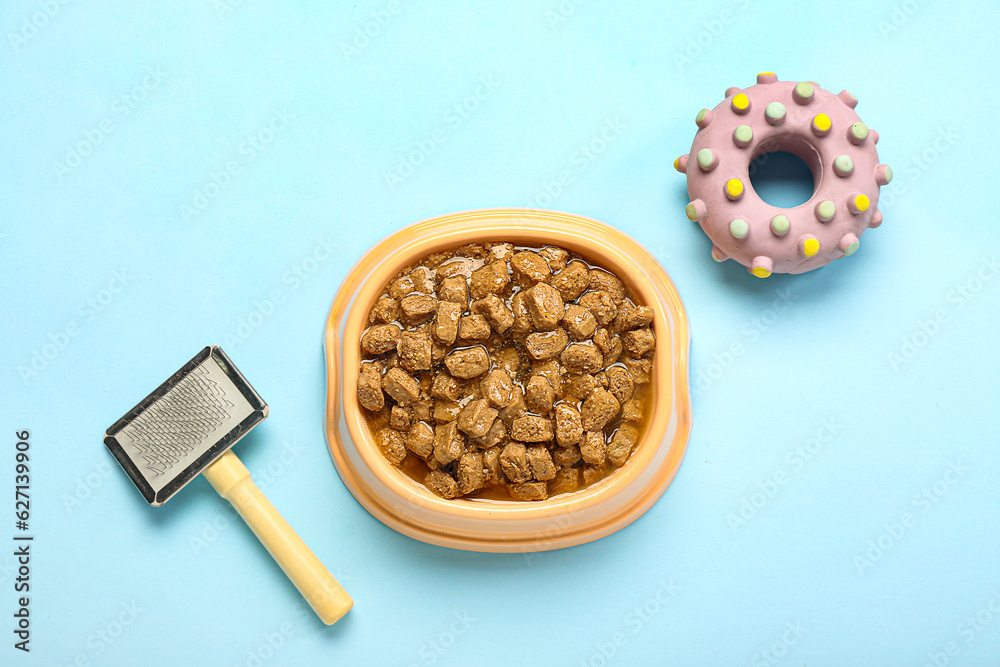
(812, 123)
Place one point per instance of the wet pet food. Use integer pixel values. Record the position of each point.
(506, 372)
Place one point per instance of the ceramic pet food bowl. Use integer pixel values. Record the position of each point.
(488, 525)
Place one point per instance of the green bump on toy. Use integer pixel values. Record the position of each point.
(780, 224)
(739, 228)
(705, 158)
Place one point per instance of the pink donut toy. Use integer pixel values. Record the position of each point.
(803, 119)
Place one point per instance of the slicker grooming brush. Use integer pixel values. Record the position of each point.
(186, 427)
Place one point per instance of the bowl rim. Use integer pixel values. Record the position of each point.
(563, 520)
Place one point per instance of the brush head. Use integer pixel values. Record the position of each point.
(184, 425)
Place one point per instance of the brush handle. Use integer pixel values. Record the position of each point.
(323, 593)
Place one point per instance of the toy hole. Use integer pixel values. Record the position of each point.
(782, 179)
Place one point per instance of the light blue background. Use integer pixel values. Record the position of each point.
(546, 79)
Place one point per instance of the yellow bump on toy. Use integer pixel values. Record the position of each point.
(740, 103)
(810, 246)
(859, 203)
(696, 210)
(821, 124)
(761, 266)
(734, 188)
